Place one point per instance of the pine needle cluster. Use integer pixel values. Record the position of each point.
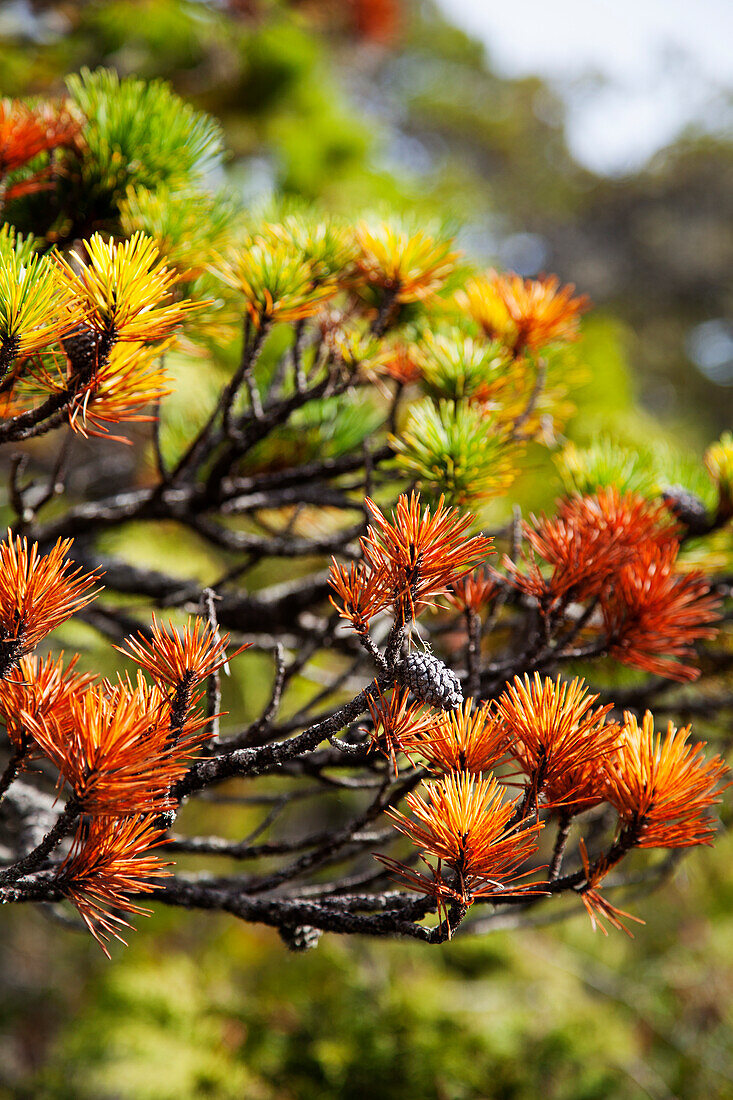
(325, 389)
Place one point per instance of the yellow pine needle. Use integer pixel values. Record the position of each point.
(410, 265)
(125, 289)
(277, 284)
(32, 304)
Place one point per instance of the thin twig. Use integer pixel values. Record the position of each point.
(529, 408)
(52, 839)
(12, 767)
(563, 829)
(213, 684)
(473, 652)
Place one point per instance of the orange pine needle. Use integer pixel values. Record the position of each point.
(397, 722)
(662, 787)
(361, 593)
(420, 554)
(411, 267)
(114, 747)
(589, 540)
(558, 740)
(463, 822)
(109, 860)
(173, 658)
(653, 615)
(26, 131)
(473, 592)
(469, 739)
(523, 313)
(399, 361)
(596, 906)
(38, 592)
(39, 687)
(130, 379)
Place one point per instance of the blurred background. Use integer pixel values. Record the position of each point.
(588, 139)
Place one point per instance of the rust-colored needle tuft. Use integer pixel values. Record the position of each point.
(397, 722)
(588, 541)
(26, 131)
(360, 592)
(559, 741)
(419, 552)
(171, 657)
(468, 739)
(38, 592)
(463, 822)
(39, 687)
(114, 747)
(523, 313)
(110, 858)
(597, 907)
(662, 786)
(654, 615)
(473, 592)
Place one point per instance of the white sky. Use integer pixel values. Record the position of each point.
(664, 63)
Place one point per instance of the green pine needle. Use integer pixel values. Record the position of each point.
(14, 243)
(140, 134)
(604, 463)
(455, 366)
(30, 298)
(456, 449)
(188, 227)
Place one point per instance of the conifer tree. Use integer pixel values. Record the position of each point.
(361, 402)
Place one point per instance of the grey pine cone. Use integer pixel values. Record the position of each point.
(688, 509)
(301, 938)
(430, 680)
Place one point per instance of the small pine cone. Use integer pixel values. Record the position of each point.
(86, 350)
(8, 352)
(430, 681)
(301, 938)
(688, 509)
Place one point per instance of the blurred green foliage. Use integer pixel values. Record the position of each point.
(565, 1014)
